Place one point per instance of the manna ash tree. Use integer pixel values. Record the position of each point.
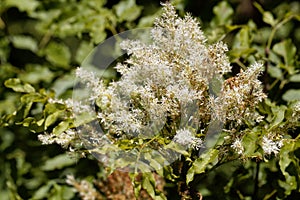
(187, 118)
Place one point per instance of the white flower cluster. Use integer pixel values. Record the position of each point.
(162, 82)
(239, 96)
(238, 146)
(185, 137)
(92, 81)
(296, 111)
(270, 146)
(64, 139)
(85, 189)
(164, 87)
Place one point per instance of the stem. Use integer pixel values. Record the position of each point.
(141, 148)
(46, 38)
(237, 61)
(256, 179)
(267, 51)
(276, 27)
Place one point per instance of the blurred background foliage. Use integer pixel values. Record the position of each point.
(42, 43)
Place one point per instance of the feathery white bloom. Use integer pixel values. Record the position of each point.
(186, 138)
(237, 146)
(269, 146)
(240, 95)
(296, 110)
(64, 139)
(85, 189)
(165, 85)
(92, 82)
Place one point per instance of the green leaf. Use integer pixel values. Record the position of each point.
(58, 162)
(83, 51)
(242, 39)
(7, 138)
(33, 97)
(18, 86)
(53, 118)
(25, 42)
(58, 54)
(287, 50)
(278, 113)
(289, 185)
(287, 157)
(12, 188)
(295, 78)
(28, 5)
(63, 83)
(259, 7)
(241, 44)
(127, 10)
(148, 183)
(26, 122)
(36, 73)
(59, 192)
(269, 18)
(43, 191)
(98, 36)
(61, 127)
(84, 118)
(147, 21)
(223, 12)
(291, 95)
(200, 164)
(249, 143)
(275, 72)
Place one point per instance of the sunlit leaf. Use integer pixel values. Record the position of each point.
(58, 54)
(58, 162)
(223, 12)
(268, 18)
(278, 113)
(200, 164)
(291, 95)
(63, 83)
(53, 118)
(287, 50)
(287, 157)
(18, 86)
(61, 127)
(61, 192)
(127, 10)
(250, 143)
(28, 5)
(148, 184)
(275, 72)
(43, 191)
(295, 78)
(36, 74)
(25, 42)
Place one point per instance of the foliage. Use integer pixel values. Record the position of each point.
(39, 51)
(42, 42)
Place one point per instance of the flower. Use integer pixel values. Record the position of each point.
(269, 146)
(165, 89)
(185, 137)
(84, 188)
(238, 146)
(239, 96)
(64, 139)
